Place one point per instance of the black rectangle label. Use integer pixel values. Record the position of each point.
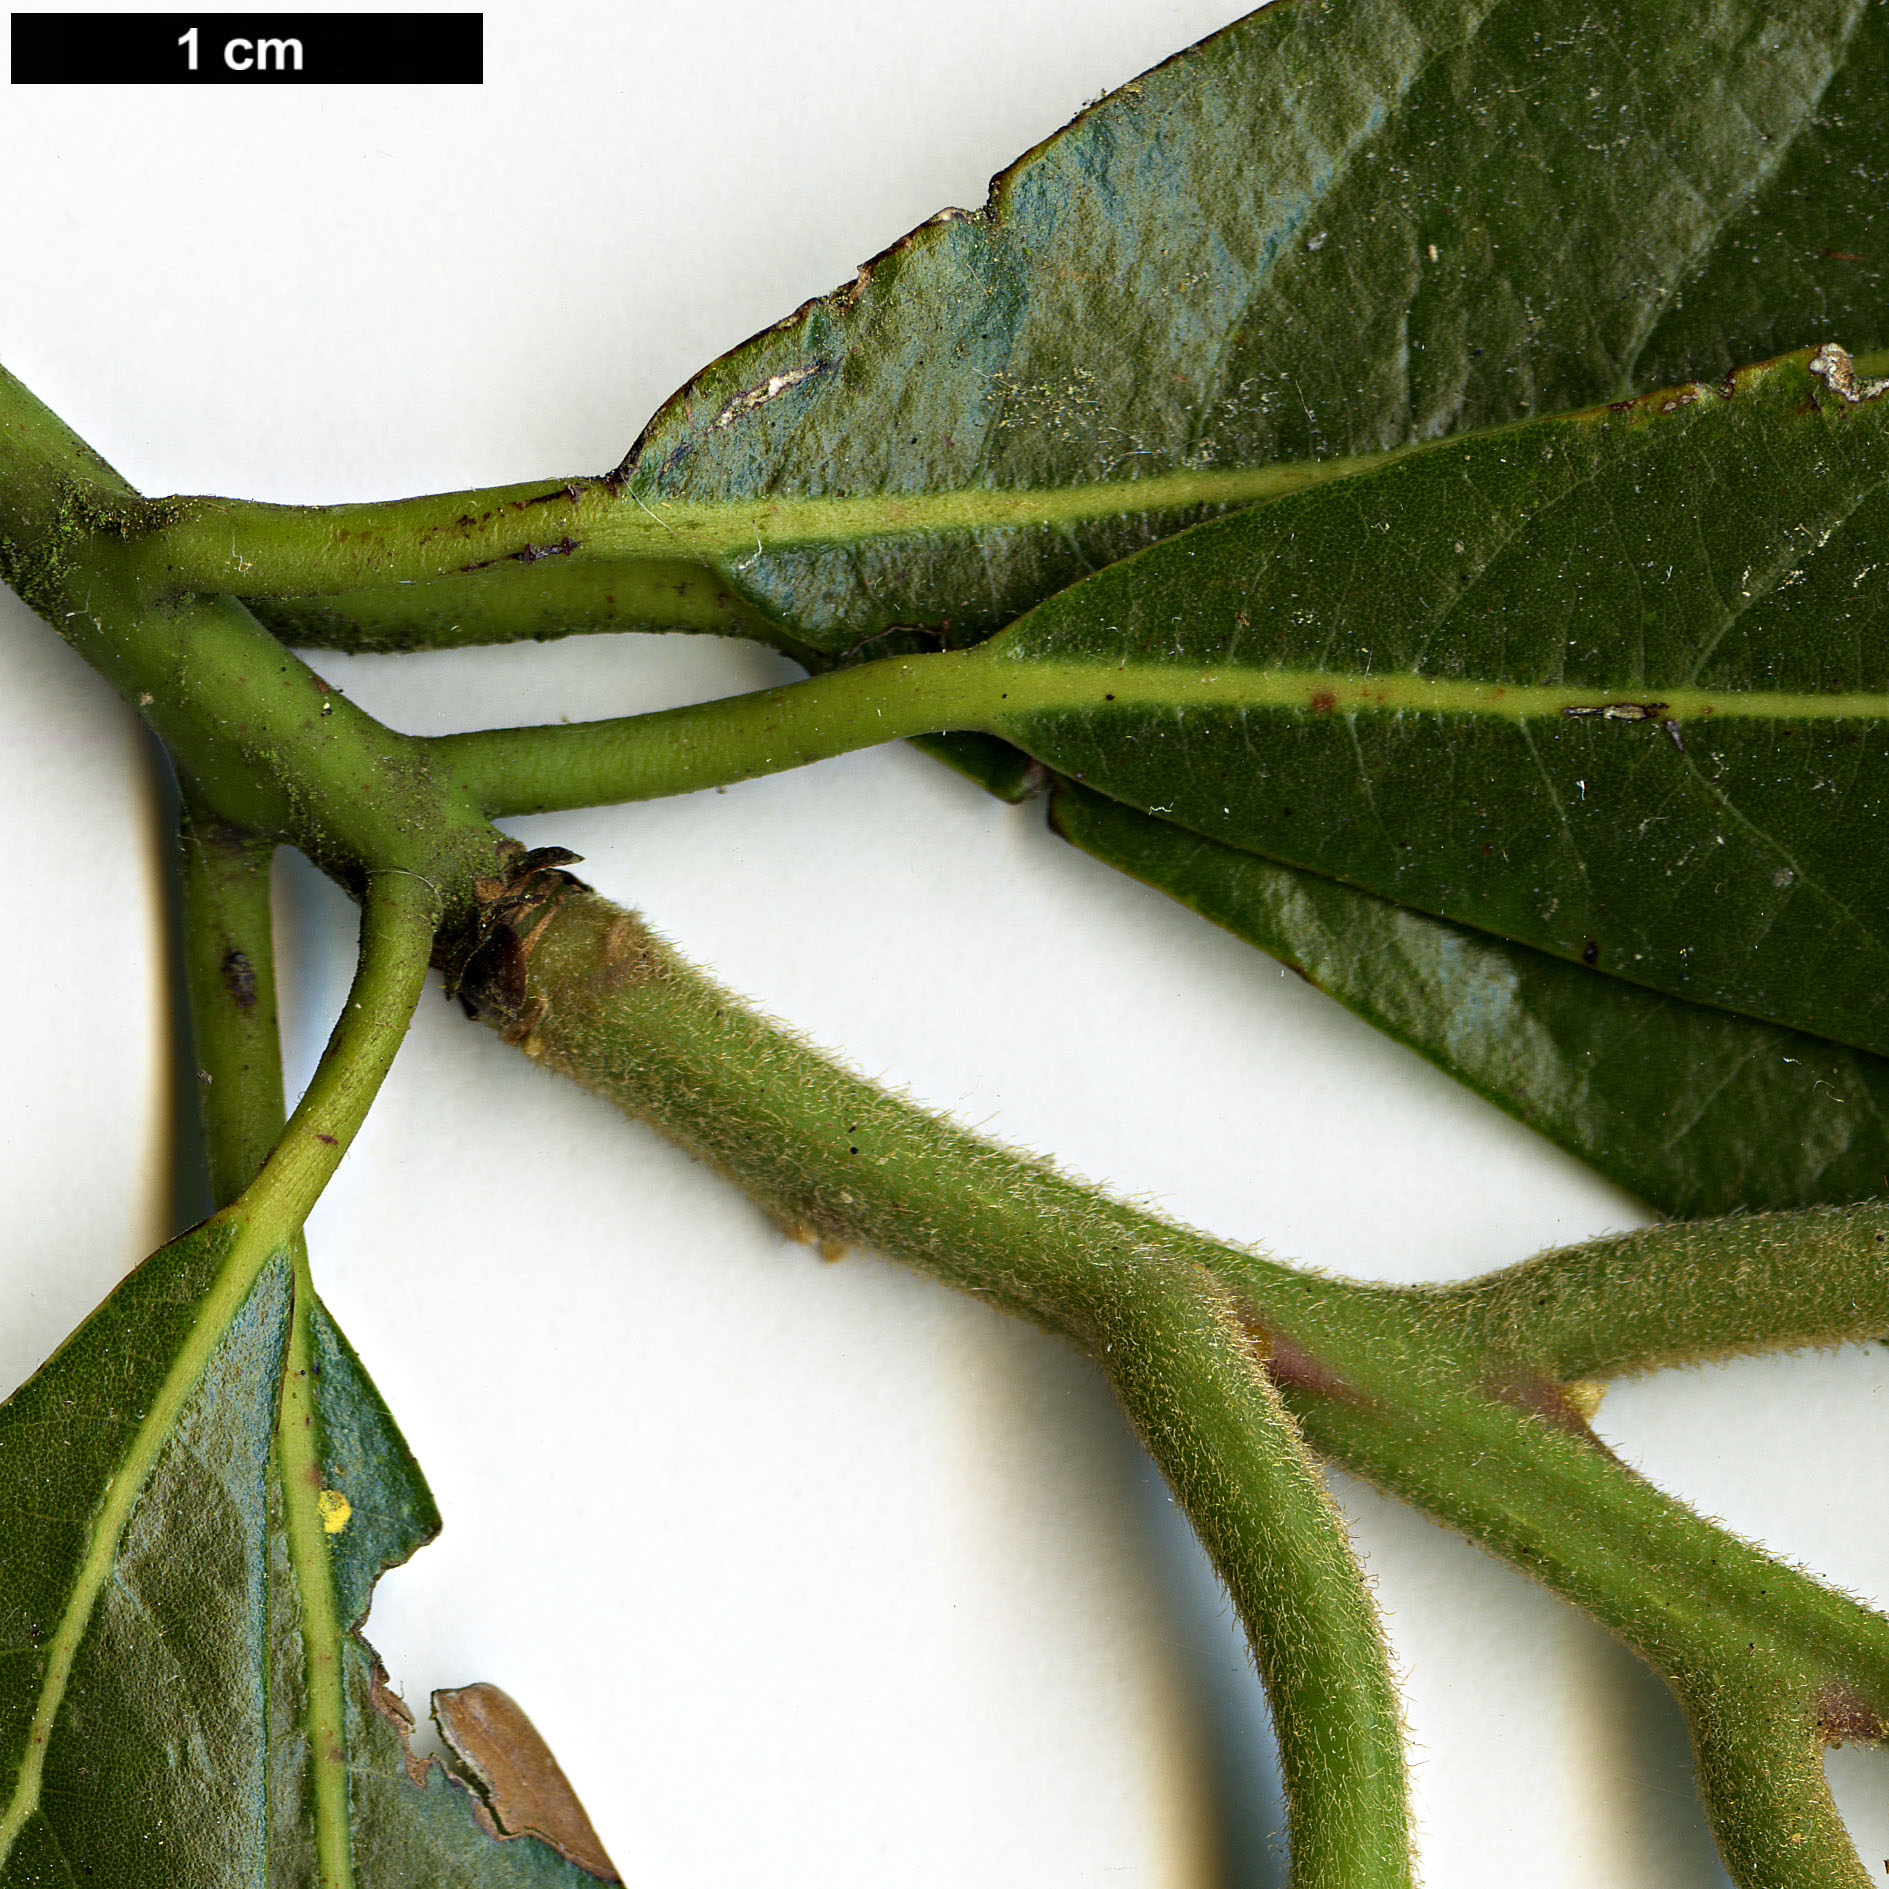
(248, 48)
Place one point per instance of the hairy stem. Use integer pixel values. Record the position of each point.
(1684, 1291)
(1768, 1664)
(1393, 1384)
(1766, 1797)
(830, 1155)
(1456, 1401)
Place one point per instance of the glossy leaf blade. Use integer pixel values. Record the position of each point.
(1328, 230)
(1697, 1111)
(166, 1676)
(1807, 255)
(1612, 685)
(155, 1647)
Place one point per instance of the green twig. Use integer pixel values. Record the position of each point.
(229, 971)
(836, 1159)
(512, 601)
(398, 918)
(1457, 1402)
(1681, 1292)
(1396, 1385)
(713, 744)
(268, 745)
(1761, 1778)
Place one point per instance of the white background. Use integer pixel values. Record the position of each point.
(811, 1573)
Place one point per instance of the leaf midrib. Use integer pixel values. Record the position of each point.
(1055, 686)
(324, 1721)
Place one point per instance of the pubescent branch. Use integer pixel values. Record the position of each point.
(1761, 1778)
(834, 1158)
(1396, 1385)
(1685, 1291)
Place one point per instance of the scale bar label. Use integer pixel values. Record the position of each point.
(248, 48)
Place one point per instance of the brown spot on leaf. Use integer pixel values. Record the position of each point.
(515, 1774)
(1617, 711)
(239, 980)
(1322, 702)
(389, 1704)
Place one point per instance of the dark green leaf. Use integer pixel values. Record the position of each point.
(132, 1710)
(1559, 175)
(155, 1642)
(1328, 230)
(1697, 1111)
(1611, 685)
(1807, 256)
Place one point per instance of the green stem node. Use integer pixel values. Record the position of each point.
(269, 747)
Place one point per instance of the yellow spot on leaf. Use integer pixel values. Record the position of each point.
(334, 1509)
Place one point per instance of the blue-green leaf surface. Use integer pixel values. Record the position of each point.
(154, 1642)
(1329, 230)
